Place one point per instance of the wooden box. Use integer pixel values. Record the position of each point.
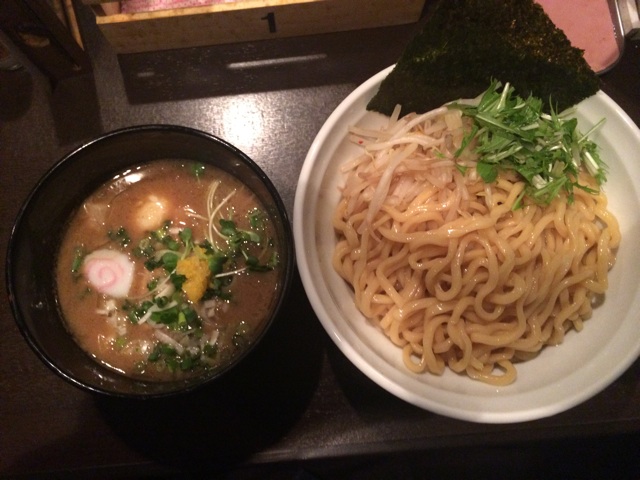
(245, 20)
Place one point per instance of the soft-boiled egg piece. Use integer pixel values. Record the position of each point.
(151, 213)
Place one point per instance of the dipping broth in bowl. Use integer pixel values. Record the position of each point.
(149, 261)
(167, 270)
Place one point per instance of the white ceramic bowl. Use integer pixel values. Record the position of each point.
(560, 377)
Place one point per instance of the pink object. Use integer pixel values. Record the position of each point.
(588, 24)
(137, 6)
(109, 272)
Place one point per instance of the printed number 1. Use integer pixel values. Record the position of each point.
(271, 21)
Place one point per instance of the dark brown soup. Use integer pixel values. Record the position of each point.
(167, 270)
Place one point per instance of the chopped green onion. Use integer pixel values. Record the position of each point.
(197, 169)
(120, 236)
(78, 258)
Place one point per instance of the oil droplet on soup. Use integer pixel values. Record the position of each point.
(168, 270)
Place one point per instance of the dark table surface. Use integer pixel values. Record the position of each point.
(297, 408)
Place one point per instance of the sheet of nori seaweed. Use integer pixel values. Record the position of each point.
(464, 44)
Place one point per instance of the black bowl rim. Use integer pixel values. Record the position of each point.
(131, 130)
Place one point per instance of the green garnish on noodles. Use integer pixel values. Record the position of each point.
(547, 150)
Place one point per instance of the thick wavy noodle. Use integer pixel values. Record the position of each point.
(444, 266)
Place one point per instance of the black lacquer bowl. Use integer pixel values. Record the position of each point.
(36, 236)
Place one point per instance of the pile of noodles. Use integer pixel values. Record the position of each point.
(444, 266)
